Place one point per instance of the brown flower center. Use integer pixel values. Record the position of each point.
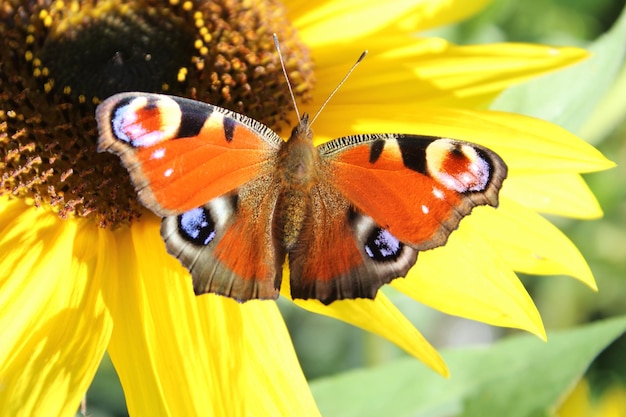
(58, 59)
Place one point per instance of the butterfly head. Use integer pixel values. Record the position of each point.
(302, 131)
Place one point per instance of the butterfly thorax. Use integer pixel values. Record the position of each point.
(298, 171)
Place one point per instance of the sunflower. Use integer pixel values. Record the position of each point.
(83, 269)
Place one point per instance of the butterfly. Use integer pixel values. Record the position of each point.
(349, 215)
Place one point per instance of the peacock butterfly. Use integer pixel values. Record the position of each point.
(236, 200)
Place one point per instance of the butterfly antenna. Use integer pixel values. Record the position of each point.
(343, 80)
(282, 64)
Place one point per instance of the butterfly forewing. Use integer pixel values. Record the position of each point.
(416, 187)
(182, 153)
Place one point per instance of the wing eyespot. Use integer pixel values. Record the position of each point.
(458, 166)
(382, 246)
(143, 121)
(197, 226)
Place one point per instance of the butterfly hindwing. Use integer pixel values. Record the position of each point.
(227, 245)
(182, 153)
(343, 253)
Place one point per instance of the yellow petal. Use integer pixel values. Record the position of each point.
(403, 70)
(55, 325)
(178, 354)
(381, 317)
(435, 13)
(563, 194)
(343, 21)
(527, 145)
(468, 278)
(529, 243)
(271, 363)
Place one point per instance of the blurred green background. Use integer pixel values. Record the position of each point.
(327, 347)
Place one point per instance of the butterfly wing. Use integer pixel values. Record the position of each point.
(342, 253)
(416, 187)
(182, 153)
(393, 195)
(228, 244)
(208, 172)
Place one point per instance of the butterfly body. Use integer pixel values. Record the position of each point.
(298, 170)
(237, 201)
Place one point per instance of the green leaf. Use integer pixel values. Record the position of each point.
(568, 97)
(518, 377)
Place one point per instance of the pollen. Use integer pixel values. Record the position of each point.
(75, 53)
(182, 74)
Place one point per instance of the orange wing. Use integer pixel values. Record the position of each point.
(209, 173)
(380, 200)
(342, 253)
(227, 244)
(182, 153)
(418, 188)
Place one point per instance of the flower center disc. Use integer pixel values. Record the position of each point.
(59, 58)
(118, 52)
